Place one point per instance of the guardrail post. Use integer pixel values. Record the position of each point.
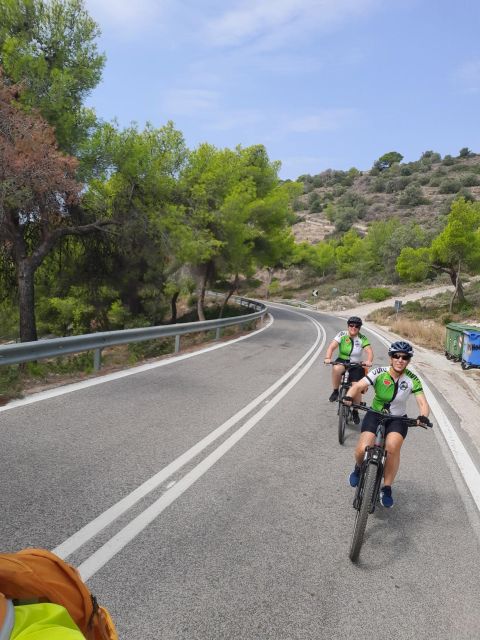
(177, 343)
(97, 359)
(217, 334)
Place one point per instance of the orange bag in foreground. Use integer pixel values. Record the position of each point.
(37, 575)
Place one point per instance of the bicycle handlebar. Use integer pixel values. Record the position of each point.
(347, 364)
(412, 422)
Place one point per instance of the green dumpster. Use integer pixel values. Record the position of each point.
(454, 339)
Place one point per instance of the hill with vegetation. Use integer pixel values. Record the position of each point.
(334, 201)
(370, 235)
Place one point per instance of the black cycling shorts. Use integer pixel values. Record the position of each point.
(371, 420)
(354, 373)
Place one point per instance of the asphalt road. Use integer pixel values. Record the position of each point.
(246, 536)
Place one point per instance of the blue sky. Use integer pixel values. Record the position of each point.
(321, 83)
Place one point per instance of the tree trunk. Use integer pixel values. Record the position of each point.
(201, 297)
(456, 281)
(270, 271)
(231, 291)
(208, 272)
(26, 295)
(455, 277)
(174, 307)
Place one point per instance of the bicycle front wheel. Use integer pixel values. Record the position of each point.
(342, 420)
(368, 494)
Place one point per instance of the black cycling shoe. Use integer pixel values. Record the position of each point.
(355, 416)
(334, 396)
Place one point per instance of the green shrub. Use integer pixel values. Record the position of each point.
(470, 180)
(9, 321)
(151, 348)
(450, 186)
(412, 196)
(448, 161)
(467, 194)
(378, 185)
(397, 184)
(423, 180)
(9, 380)
(377, 294)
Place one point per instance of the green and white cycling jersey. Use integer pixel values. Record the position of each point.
(389, 391)
(351, 348)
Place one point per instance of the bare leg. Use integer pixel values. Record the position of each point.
(366, 439)
(337, 372)
(393, 444)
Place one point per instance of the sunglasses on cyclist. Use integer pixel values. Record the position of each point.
(354, 324)
(400, 356)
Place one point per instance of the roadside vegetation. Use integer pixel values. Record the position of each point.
(423, 321)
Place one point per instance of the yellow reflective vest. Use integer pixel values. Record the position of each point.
(42, 621)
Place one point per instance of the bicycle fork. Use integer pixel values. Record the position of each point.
(377, 456)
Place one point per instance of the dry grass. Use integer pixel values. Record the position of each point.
(426, 333)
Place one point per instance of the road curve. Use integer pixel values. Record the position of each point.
(246, 536)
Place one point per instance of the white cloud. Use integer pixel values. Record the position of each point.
(239, 120)
(468, 75)
(268, 24)
(191, 101)
(128, 16)
(323, 120)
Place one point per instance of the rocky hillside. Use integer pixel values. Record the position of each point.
(334, 201)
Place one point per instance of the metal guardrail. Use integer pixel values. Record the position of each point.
(297, 303)
(55, 347)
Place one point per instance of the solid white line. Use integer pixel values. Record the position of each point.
(467, 468)
(91, 529)
(76, 386)
(465, 463)
(106, 552)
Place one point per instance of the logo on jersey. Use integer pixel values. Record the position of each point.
(348, 340)
(387, 383)
(404, 385)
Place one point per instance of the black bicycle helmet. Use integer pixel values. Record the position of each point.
(400, 346)
(355, 320)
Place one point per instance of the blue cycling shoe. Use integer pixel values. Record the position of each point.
(386, 497)
(354, 477)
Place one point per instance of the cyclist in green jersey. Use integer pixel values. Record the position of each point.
(393, 386)
(350, 344)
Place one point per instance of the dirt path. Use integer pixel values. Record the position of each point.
(364, 309)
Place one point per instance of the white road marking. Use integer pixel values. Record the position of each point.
(91, 529)
(107, 551)
(76, 386)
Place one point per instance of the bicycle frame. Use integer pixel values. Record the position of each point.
(377, 455)
(344, 413)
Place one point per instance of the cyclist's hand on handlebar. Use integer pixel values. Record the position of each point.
(368, 363)
(347, 400)
(327, 361)
(423, 421)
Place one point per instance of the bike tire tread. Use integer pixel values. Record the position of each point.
(362, 514)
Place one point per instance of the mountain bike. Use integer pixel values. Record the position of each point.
(371, 473)
(344, 413)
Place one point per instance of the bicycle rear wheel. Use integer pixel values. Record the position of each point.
(368, 494)
(342, 417)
